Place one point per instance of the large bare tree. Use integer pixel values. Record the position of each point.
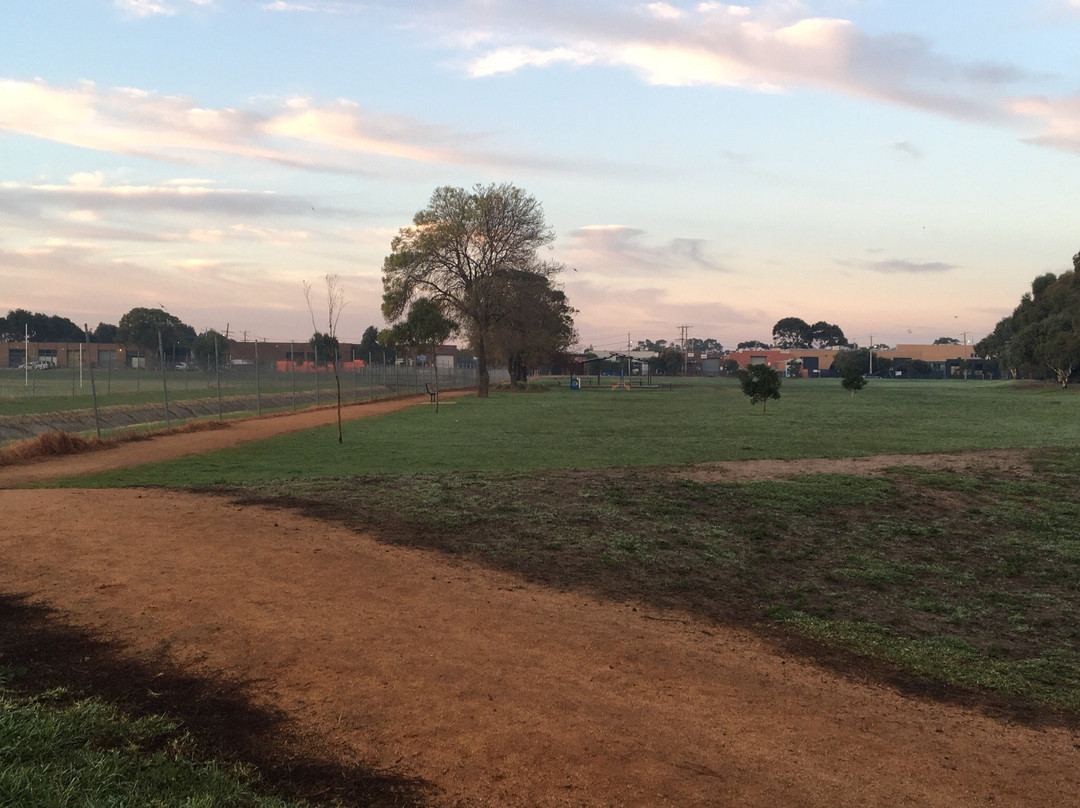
(458, 252)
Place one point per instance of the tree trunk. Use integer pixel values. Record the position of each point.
(337, 380)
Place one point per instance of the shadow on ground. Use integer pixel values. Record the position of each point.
(43, 652)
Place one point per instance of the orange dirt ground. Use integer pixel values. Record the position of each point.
(485, 690)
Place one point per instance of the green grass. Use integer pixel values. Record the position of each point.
(58, 752)
(980, 589)
(61, 390)
(964, 578)
(604, 428)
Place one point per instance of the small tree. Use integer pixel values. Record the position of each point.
(335, 302)
(324, 347)
(760, 382)
(794, 367)
(209, 347)
(852, 380)
(424, 329)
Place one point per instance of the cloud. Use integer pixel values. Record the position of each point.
(618, 249)
(656, 312)
(908, 148)
(156, 8)
(336, 136)
(89, 192)
(1059, 119)
(770, 47)
(322, 7)
(897, 266)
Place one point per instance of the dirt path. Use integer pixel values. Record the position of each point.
(501, 694)
(496, 692)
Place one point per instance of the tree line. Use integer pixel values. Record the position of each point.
(1041, 338)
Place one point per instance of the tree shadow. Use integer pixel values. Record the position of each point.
(43, 652)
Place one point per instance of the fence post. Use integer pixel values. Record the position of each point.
(164, 383)
(217, 376)
(93, 389)
(258, 387)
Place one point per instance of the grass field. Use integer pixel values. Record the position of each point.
(967, 579)
(691, 424)
(60, 390)
(959, 582)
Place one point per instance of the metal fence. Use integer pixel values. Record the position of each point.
(36, 401)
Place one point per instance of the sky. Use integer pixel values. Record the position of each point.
(901, 169)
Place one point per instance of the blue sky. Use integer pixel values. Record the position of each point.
(902, 169)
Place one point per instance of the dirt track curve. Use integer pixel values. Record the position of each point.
(494, 692)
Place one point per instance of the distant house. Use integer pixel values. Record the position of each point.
(101, 355)
(817, 361)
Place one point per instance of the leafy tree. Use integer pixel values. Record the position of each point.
(826, 335)
(538, 326)
(1042, 336)
(917, 368)
(707, 345)
(668, 363)
(209, 347)
(730, 367)
(791, 332)
(325, 348)
(459, 251)
(946, 341)
(753, 345)
(42, 327)
(859, 358)
(370, 347)
(149, 328)
(794, 367)
(424, 329)
(852, 380)
(760, 382)
(104, 333)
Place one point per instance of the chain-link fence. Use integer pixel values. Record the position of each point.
(39, 400)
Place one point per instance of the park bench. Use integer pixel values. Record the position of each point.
(433, 392)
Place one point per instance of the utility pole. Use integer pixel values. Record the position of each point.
(684, 330)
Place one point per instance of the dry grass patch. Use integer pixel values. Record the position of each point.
(59, 443)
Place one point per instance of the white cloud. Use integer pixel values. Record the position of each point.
(337, 136)
(664, 11)
(1059, 119)
(156, 8)
(80, 195)
(145, 8)
(772, 47)
(509, 60)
